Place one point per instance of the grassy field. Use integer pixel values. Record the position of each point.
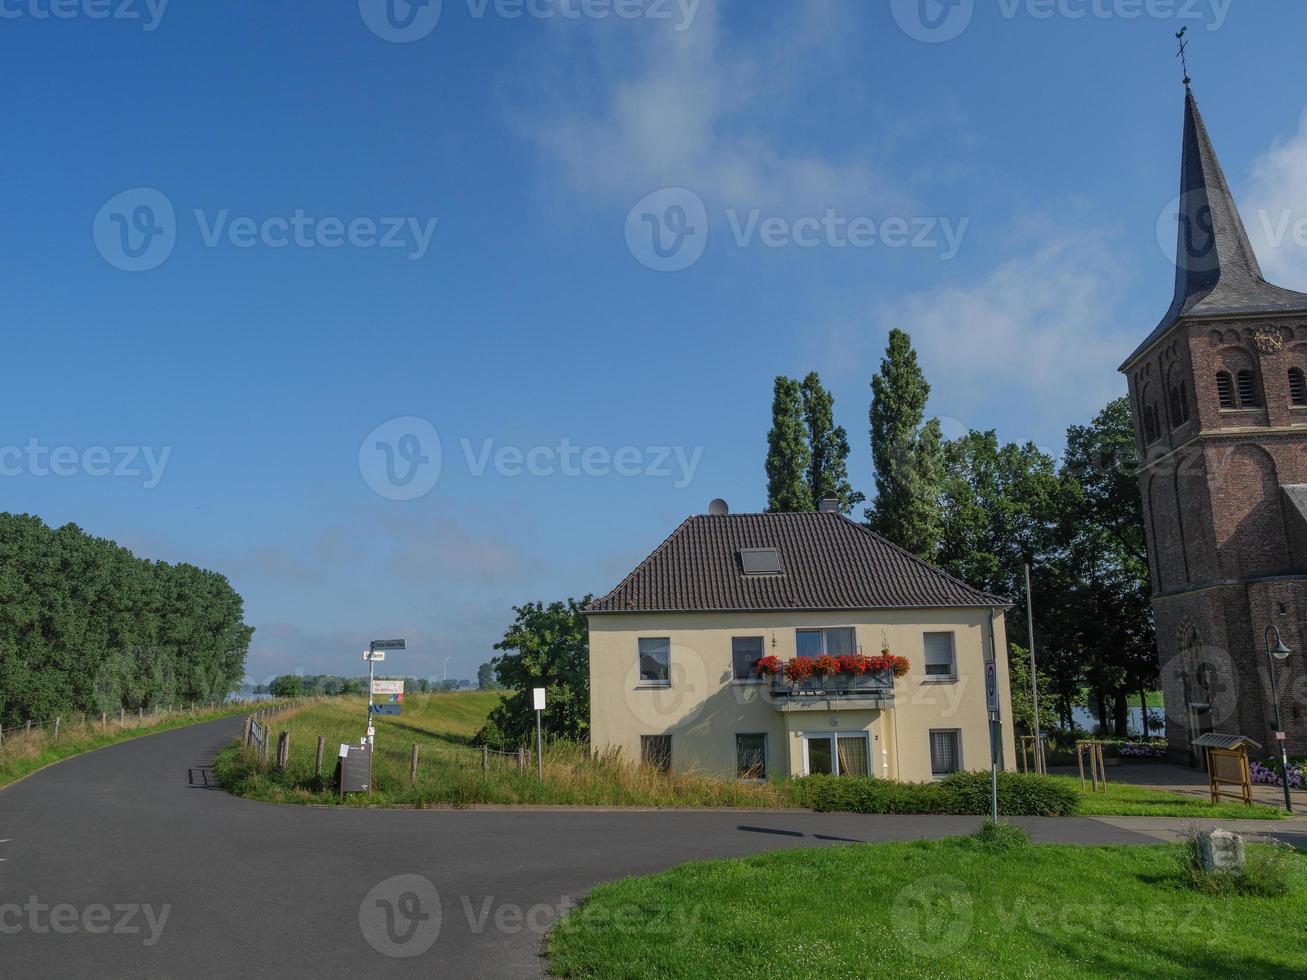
(23, 754)
(1124, 800)
(450, 769)
(933, 909)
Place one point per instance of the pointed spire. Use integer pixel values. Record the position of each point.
(1217, 272)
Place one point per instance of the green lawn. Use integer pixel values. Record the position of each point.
(1124, 800)
(932, 909)
(23, 754)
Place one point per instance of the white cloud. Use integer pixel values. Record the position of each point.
(1031, 346)
(1276, 210)
(695, 109)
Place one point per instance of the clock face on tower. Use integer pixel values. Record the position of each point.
(1269, 342)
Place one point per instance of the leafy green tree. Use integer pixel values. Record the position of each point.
(549, 647)
(788, 454)
(828, 447)
(906, 451)
(486, 679)
(286, 686)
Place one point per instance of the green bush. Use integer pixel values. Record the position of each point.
(1019, 795)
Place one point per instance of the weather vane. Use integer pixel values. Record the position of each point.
(1183, 55)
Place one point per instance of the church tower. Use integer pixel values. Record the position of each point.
(1219, 393)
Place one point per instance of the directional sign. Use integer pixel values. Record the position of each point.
(395, 699)
(388, 687)
(387, 709)
(991, 684)
(389, 645)
(538, 698)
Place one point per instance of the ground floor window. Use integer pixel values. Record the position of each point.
(751, 756)
(832, 754)
(945, 752)
(656, 752)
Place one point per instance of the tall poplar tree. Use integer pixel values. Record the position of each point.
(906, 451)
(788, 453)
(828, 447)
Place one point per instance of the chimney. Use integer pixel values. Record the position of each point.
(718, 508)
(829, 504)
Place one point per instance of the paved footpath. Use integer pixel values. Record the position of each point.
(127, 862)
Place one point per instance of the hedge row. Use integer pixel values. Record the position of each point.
(962, 793)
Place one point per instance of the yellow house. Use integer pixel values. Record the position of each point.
(680, 674)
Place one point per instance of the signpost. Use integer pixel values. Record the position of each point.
(538, 695)
(355, 768)
(387, 709)
(387, 687)
(375, 653)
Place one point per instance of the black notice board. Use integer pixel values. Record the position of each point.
(356, 770)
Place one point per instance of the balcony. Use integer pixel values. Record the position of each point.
(824, 692)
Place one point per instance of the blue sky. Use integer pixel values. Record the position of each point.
(477, 197)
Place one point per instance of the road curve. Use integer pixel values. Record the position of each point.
(122, 863)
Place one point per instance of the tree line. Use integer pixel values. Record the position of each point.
(981, 509)
(330, 685)
(85, 626)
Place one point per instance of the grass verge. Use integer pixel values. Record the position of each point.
(23, 754)
(956, 908)
(450, 772)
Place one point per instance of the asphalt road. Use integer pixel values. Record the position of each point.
(121, 863)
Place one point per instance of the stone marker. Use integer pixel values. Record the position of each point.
(1221, 850)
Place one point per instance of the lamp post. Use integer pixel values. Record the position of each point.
(1280, 652)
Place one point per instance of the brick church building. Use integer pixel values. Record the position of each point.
(1219, 392)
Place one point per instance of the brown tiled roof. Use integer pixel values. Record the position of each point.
(827, 562)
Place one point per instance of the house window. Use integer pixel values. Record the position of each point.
(655, 661)
(836, 754)
(656, 752)
(1225, 389)
(1297, 388)
(945, 752)
(751, 756)
(814, 643)
(1247, 388)
(940, 660)
(746, 651)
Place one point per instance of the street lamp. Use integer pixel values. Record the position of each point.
(1279, 652)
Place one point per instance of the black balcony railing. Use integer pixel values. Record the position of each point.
(878, 683)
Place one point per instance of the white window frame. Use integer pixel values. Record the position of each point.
(756, 678)
(952, 675)
(640, 681)
(930, 737)
(834, 737)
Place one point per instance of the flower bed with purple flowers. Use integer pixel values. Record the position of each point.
(1142, 750)
(1272, 775)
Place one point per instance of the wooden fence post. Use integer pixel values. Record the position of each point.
(485, 758)
(29, 726)
(283, 749)
(413, 765)
(317, 767)
(104, 719)
(122, 716)
(521, 758)
(56, 729)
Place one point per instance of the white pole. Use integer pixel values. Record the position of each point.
(540, 759)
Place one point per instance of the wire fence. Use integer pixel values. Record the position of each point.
(83, 722)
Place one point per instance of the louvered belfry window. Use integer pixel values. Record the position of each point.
(1247, 386)
(1225, 389)
(1297, 388)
